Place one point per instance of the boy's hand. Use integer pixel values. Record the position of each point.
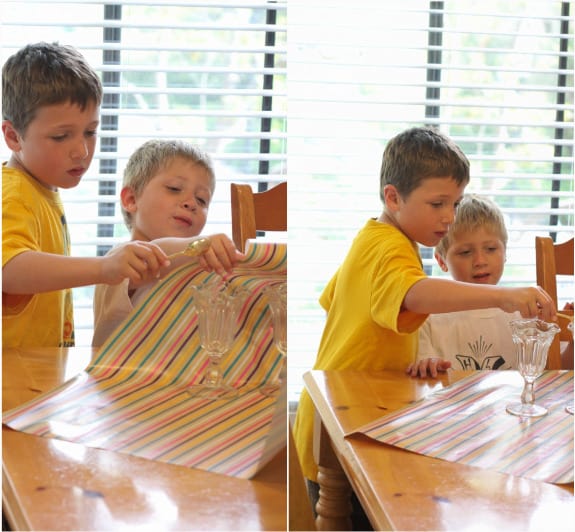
(136, 260)
(428, 367)
(531, 302)
(221, 256)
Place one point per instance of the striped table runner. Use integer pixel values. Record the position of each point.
(132, 398)
(467, 423)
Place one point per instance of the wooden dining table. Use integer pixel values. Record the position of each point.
(51, 484)
(403, 490)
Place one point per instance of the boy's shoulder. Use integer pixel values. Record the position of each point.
(382, 243)
(384, 233)
(14, 181)
(19, 187)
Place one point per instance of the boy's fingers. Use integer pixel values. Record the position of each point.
(423, 368)
(159, 258)
(220, 260)
(444, 365)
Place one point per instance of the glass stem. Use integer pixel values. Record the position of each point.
(213, 376)
(527, 395)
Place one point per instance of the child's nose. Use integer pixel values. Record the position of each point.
(80, 150)
(449, 216)
(479, 257)
(190, 203)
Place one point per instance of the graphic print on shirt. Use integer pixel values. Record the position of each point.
(479, 358)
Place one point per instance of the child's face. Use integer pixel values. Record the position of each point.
(58, 145)
(476, 256)
(426, 214)
(174, 203)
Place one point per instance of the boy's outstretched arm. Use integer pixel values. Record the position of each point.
(436, 296)
(32, 272)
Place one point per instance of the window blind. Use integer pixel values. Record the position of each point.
(212, 73)
(497, 76)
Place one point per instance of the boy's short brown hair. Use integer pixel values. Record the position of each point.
(46, 74)
(417, 154)
(153, 156)
(474, 212)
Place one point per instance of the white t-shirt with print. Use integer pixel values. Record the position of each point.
(470, 339)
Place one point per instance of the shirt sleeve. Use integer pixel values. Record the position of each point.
(19, 230)
(399, 269)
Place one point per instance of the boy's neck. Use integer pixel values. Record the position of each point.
(386, 218)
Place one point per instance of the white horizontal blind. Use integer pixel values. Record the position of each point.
(212, 73)
(496, 75)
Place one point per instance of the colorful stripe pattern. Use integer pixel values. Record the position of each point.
(132, 398)
(467, 423)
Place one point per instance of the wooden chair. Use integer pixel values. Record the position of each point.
(551, 260)
(267, 211)
(257, 211)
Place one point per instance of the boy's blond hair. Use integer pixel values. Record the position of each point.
(153, 156)
(44, 74)
(417, 154)
(474, 212)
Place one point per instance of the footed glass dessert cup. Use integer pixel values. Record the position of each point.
(218, 306)
(532, 338)
(277, 304)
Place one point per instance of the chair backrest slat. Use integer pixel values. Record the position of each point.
(552, 260)
(257, 211)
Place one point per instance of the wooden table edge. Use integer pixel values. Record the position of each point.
(10, 506)
(329, 422)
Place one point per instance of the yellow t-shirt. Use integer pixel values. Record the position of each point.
(365, 327)
(33, 220)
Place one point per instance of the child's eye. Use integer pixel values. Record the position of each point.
(91, 133)
(437, 205)
(201, 201)
(174, 189)
(59, 138)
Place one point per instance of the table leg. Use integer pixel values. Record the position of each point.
(334, 505)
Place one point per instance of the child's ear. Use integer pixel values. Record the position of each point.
(441, 262)
(11, 136)
(128, 199)
(391, 197)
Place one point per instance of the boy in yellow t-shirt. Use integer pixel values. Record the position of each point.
(380, 295)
